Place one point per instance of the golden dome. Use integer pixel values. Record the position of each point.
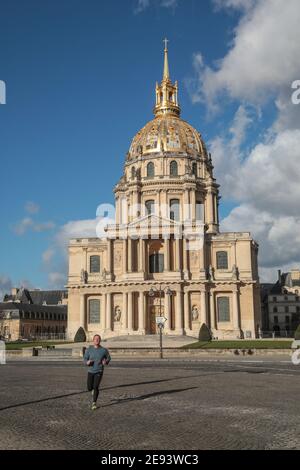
(167, 133)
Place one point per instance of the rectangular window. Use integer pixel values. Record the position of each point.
(94, 311)
(223, 306)
(95, 264)
(175, 210)
(156, 263)
(222, 260)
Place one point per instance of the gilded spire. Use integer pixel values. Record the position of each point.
(166, 75)
(166, 93)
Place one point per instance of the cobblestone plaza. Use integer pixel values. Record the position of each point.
(152, 405)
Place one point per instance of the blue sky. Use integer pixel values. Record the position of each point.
(80, 79)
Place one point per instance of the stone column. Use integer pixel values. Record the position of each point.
(117, 210)
(85, 267)
(235, 309)
(141, 313)
(167, 254)
(178, 260)
(203, 309)
(185, 254)
(167, 313)
(210, 209)
(109, 253)
(103, 309)
(187, 314)
(178, 314)
(187, 212)
(108, 312)
(129, 257)
(124, 256)
(130, 312)
(141, 255)
(124, 311)
(193, 204)
(212, 311)
(82, 316)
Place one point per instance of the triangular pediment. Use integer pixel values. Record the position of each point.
(153, 220)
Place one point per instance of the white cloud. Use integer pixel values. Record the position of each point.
(262, 58)
(57, 280)
(144, 4)
(27, 223)
(48, 255)
(259, 67)
(31, 207)
(234, 4)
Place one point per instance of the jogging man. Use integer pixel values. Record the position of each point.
(95, 357)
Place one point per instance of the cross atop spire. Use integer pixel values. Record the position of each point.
(166, 75)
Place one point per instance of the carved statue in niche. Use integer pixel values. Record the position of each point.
(211, 273)
(118, 313)
(195, 313)
(84, 276)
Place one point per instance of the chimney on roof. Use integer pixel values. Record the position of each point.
(279, 275)
(14, 290)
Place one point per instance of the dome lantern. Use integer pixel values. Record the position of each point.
(167, 92)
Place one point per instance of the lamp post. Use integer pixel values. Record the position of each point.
(160, 325)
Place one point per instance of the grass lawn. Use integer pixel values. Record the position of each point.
(241, 344)
(32, 344)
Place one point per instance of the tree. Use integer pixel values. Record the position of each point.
(80, 336)
(297, 333)
(204, 333)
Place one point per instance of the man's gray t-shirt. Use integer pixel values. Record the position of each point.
(96, 355)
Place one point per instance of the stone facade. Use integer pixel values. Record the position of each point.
(165, 255)
(33, 315)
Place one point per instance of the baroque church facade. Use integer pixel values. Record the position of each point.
(164, 255)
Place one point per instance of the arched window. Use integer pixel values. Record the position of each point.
(133, 172)
(175, 210)
(95, 264)
(150, 170)
(222, 260)
(173, 168)
(194, 169)
(94, 311)
(156, 263)
(149, 207)
(223, 309)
